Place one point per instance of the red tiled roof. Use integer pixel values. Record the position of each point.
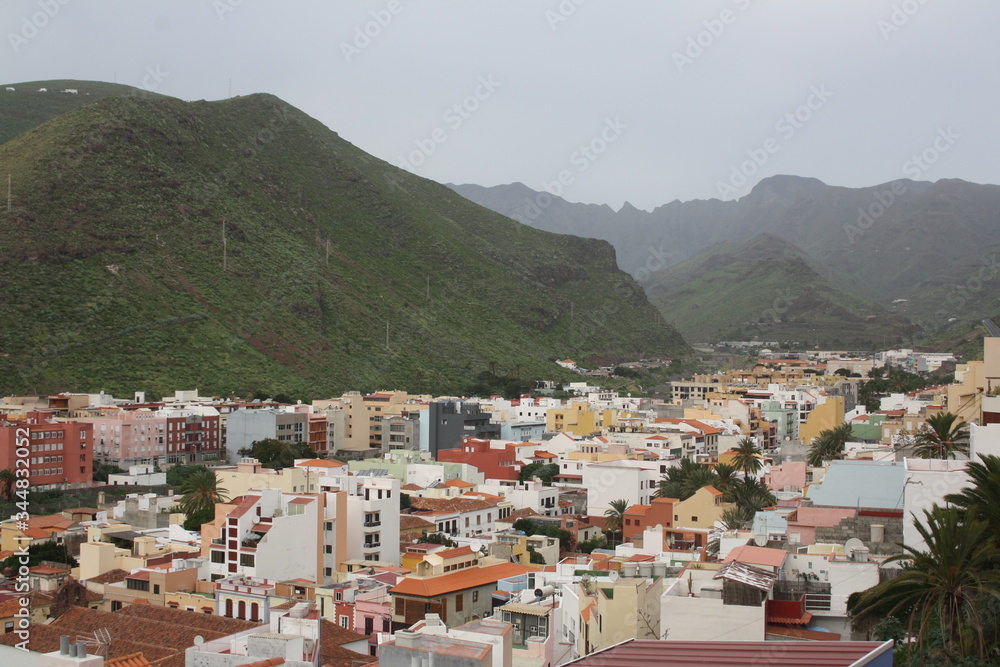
(320, 463)
(301, 501)
(455, 553)
(411, 487)
(461, 504)
(130, 660)
(457, 483)
(751, 555)
(472, 577)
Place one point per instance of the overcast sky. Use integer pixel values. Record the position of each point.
(626, 100)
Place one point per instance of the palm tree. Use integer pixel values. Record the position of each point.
(829, 444)
(726, 475)
(746, 457)
(201, 491)
(945, 589)
(944, 435)
(750, 494)
(7, 481)
(736, 518)
(698, 478)
(614, 516)
(981, 500)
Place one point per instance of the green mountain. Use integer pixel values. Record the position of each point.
(242, 245)
(767, 289)
(927, 251)
(28, 106)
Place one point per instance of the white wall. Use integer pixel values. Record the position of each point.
(707, 619)
(922, 489)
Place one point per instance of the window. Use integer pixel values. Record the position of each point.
(246, 560)
(400, 607)
(345, 621)
(329, 549)
(475, 596)
(156, 589)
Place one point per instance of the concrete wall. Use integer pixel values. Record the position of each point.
(707, 619)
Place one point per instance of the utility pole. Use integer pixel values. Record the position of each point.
(223, 244)
(8, 192)
(387, 334)
(328, 252)
(428, 287)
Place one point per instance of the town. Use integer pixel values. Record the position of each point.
(757, 514)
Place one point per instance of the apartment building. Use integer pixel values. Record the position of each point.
(59, 453)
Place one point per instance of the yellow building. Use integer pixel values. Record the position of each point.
(579, 419)
(827, 415)
(249, 475)
(973, 380)
(103, 552)
(701, 510)
(611, 613)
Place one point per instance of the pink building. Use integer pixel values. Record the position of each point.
(136, 437)
(803, 522)
(790, 475)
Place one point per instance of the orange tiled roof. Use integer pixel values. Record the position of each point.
(458, 483)
(461, 504)
(320, 463)
(473, 577)
(455, 553)
(130, 660)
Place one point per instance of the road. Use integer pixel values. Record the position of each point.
(991, 328)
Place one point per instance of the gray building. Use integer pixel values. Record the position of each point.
(401, 433)
(245, 427)
(450, 421)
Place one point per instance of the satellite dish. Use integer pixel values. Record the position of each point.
(613, 576)
(198, 640)
(852, 544)
(760, 539)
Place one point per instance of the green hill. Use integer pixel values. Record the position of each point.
(338, 271)
(27, 106)
(766, 288)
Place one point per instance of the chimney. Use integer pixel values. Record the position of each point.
(407, 639)
(70, 654)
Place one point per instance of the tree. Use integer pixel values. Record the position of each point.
(440, 538)
(534, 557)
(201, 491)
(7, 482)
(199, 518)
(102, 471)
(529, 528)
(736, 518)
(614, 516)
(943, 589)
(545, 472)
(278, 454)
(675, 482)
(829, 444)
(726, 475)
(588, 546)
(942, 437)
(178, 473)
(981, 500)
(50, 551)
(746, 457)
(749, 494)
(404, 501)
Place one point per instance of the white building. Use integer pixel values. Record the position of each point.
(633, 481)
(372, 513)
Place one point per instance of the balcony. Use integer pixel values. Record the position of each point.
(372, 545)
(372, 524)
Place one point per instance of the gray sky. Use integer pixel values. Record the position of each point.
(625, 100)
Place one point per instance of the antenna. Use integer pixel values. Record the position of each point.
(98, 643)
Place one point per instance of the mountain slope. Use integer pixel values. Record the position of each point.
(766, 288)
(338, 271)
(27, 106)
(905, 239)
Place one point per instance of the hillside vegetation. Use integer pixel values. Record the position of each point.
(337, 271)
